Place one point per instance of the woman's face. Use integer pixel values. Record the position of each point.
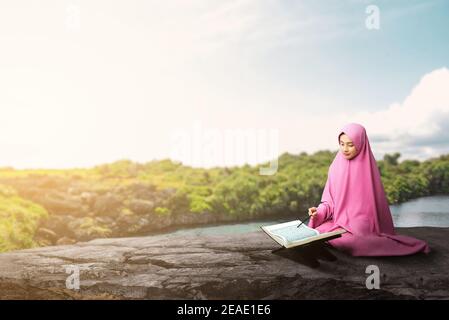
(347, 147)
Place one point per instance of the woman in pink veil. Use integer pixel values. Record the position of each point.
(354, 199)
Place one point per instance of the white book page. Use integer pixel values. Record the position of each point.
(288, 231)
(291, 232)
(287, 234)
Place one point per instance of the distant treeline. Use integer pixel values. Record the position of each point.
(46, 207)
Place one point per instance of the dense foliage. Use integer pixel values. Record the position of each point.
(18, 220)
(44, 207)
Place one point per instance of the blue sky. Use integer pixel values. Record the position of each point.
(89, 82)
(374, 68)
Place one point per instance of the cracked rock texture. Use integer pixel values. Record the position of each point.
(218, 267)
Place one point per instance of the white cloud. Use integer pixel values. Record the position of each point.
(417, 127)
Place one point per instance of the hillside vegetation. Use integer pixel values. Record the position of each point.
(124, 198)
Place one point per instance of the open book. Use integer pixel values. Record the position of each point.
(288, 235)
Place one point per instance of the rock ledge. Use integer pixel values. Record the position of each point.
(217, 267)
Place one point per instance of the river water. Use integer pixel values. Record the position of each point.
(430, 211)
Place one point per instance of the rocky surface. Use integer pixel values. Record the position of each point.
(218, 267)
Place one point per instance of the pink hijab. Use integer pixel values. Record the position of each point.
(354, 199)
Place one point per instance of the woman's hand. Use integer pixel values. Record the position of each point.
(312, 212)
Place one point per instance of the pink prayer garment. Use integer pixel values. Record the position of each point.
(354, 199)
